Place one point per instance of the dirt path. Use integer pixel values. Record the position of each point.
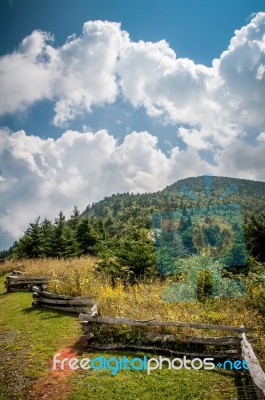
(54, 384)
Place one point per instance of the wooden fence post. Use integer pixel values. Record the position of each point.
(256, 372)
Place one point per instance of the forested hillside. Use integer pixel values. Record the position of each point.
(118, 229)
(128, 233)
(137, 209)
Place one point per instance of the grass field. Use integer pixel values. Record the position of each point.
(30, 337)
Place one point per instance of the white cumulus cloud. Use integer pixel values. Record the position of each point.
(43, 176)
(213, 109)
(102, 63)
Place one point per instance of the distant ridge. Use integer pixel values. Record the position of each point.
(138, 208)
(219, 182)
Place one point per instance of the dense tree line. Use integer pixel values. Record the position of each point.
(61, 238)
(118, 229)
(128, 254)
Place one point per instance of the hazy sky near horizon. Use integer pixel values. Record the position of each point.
(99, 97)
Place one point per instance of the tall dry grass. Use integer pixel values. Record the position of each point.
(79, 277)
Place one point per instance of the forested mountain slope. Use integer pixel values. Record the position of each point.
(120, 226)
(136, 209)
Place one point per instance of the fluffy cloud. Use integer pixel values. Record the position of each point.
(24, 75)
(218, 104)
(85, 69)
(213, 109)
(77, 75)
(241, 69)
(213, 103)
(261, 137)
(242, 160)
(42, 176)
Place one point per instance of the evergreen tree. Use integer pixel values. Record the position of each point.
(47, 238)
(255, 233)
(29, 246)
(74, 219)
(86, 236)
(70, 247)
(64, 244)
(136, 253)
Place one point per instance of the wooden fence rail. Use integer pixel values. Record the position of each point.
(41, 298)
(17, 272)
(153, 322)
(232, 347)
(224, 343)
(255, 370)
(24, 283)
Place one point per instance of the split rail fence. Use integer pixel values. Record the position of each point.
(237, 346)
(41, 298)
(231, 347)
(21, 282)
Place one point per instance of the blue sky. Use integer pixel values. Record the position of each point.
(100, 97)
(197, 29)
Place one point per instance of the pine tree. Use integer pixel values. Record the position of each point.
(136, 253)
(71, 248)
(47, 238)
(74, 219)
(64, 244)
(29, 246)
(87, 236)
(255, 233)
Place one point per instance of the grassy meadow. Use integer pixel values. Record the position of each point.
(30, 337)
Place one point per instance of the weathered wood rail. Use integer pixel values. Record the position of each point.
(224, 342)
(41, 298)
(17, 272)
(153, 322)
(231, 347)
(21, 282)
(255, 370)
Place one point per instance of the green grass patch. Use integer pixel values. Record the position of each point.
(30, 337)
(160, 384)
